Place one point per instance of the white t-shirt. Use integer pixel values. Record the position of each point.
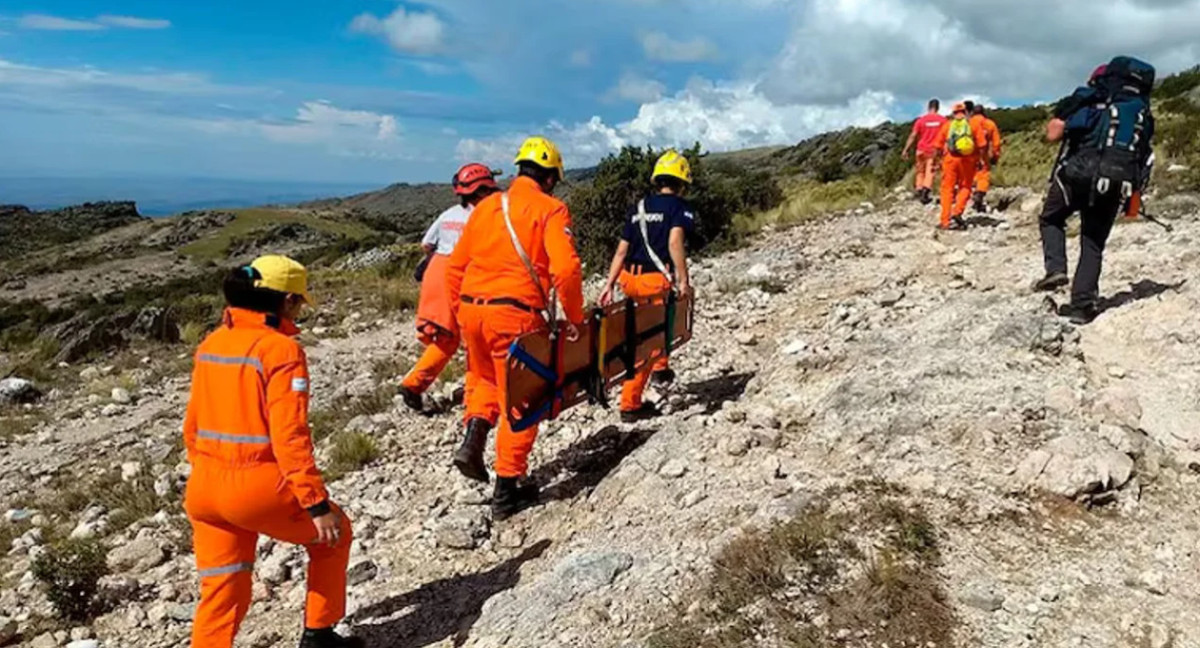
(447, 229)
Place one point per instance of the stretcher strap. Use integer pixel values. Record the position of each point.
(631, 338)
(554, 377)
(597, 387)
(670, 324)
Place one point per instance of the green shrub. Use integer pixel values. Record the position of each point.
(71, 571)
(351, 452)
(1178, 84)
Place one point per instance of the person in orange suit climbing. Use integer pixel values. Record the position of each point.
(436, 327)
(650, 260)
(988, 158)
(925, 136)
(960, 143)
(516, 252)
(253, 472)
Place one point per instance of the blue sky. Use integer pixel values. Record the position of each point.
(376, 91)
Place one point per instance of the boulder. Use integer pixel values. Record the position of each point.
(18, 390)
(1119, 405)
(138, 555)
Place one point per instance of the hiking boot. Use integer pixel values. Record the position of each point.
(664, 377)
(1080, 314)
(980, 205)
(645, 412)
(327, 638)
(412, 399)
(469, 457)
(1052, 282)
(512, 495)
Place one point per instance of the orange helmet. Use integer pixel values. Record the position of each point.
(959, 107)
(472, 178)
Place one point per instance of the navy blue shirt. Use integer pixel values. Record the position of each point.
(664, 212)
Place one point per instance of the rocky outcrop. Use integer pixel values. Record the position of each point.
(23, 230)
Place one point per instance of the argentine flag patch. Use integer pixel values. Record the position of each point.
(300, 385)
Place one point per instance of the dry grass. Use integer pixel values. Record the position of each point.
(859, 569)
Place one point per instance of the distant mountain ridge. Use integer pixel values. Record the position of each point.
(23, 230)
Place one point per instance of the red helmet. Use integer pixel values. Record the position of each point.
(472, 178)
(1097, 73)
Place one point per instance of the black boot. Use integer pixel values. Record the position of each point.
(412, 399)
(1080, 314)
(469, 458)
(957, 223)
(327, 638)
(512, 496)
(926, 196)
(664, 377)
(1051, 282)
(980, 205)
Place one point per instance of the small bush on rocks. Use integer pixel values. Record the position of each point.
(351, 452)
(71, 571)
(861, 563)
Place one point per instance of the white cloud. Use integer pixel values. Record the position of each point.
(638, 89)
(950, 48)
(721, 116)
(661, 47)
(186, 83)
(133, 22)
(409, 32)
(54, 23)
(318, 121)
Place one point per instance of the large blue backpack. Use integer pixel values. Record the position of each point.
(1110, 155)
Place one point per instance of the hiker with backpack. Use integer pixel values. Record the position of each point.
(961, 142)
(1106, 130)
(987, 160)
(650, 260)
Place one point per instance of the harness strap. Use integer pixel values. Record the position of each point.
(658, 262)
(548, 300)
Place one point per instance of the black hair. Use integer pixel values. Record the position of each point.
(934, 104)
(240, 292)
(670, 182)
(478, 194)
(970, 105)
(979, 110)
(539, 174)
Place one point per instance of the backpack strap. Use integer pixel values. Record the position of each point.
(658, 262)
(533, 276)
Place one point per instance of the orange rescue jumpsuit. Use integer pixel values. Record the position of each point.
(247, 438)
(498, 301)
(958, 173)
(640, 284)
(991, 133)
(436, 328)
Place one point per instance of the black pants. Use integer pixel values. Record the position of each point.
(1099, 215)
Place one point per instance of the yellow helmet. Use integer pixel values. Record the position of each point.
(674, 165)
(542, 152)
(284, 275)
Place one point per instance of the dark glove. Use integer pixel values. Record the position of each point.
(419, 273)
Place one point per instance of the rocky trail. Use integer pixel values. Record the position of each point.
(1055, 463)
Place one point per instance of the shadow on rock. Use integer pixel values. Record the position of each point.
(982, 221)
(716, 392)
(589, 462)
(444, 609)
(1145, 289)
(1005, 203)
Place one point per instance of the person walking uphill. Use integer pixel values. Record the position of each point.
(436, 326)
(960, 142)
(1107, 130)
(925, 136)
(515, 253)
(652, 259)
(253, 472)
(988, 159)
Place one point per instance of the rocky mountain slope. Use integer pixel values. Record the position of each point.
(23, 230)
(1055, 465)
